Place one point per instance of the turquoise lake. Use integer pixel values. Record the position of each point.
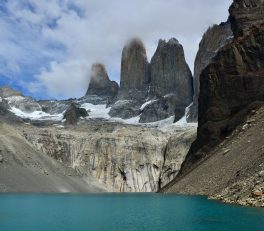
(123, 212)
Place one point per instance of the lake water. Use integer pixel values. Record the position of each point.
(123, 212)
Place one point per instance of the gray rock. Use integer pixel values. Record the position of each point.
(135, 75)
(1, 159)
(125, 109)
(213, 39)
(55, 106)
(100, 85)
(261, 173)
(161, 109)
(74, 113)
(171, 83)
(170, 73)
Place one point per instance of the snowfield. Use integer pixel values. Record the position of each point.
(96, 112)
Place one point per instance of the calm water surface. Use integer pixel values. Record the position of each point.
(123, 212)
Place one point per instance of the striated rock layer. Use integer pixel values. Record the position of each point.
(213, 39)
(123, 158)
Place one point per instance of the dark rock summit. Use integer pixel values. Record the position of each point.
(135, 76)
(100, 84)
(171, 83)
(166, 82)
(134, 81)
(170, 73)
(232, 84)
(213, 39)
(101, 89)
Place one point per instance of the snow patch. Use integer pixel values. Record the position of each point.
(36, 115)
(97, 111)
(146, 104)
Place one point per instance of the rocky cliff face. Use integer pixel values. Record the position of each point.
(135, 75)
(100, 85)
(231, 85)
(244, 14)
(134, 81)
(213, 39)
(122, 158)
(165, 85)
(171, 83)
(170, 73)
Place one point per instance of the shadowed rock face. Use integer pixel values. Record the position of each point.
(100, 84)
(230, 86)
(244, 14)
(74, 113)
(213, 39)
(171, 83)
(135, 75)
(170, 73)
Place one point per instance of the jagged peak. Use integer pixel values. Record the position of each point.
(98, 71)
(170, 42)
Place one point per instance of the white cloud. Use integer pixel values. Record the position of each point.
(88, 31)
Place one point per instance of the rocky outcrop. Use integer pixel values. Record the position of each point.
(230, 88)
(171, 83)
(167, 82)
(233, 171)
(123, 158)
(170, 73)
(213, 39)
(100, 85)
(135, 75)
(134, 81)
(244, 14)
(73, 114)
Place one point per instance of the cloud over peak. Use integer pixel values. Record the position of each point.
(47, 47)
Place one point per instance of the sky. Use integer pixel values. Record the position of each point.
(47, 47)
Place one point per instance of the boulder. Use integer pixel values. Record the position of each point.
(74, 113)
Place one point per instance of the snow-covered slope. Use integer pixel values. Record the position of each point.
(28, 108)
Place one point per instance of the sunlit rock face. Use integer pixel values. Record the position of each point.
(123, 158)
(213, 39)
